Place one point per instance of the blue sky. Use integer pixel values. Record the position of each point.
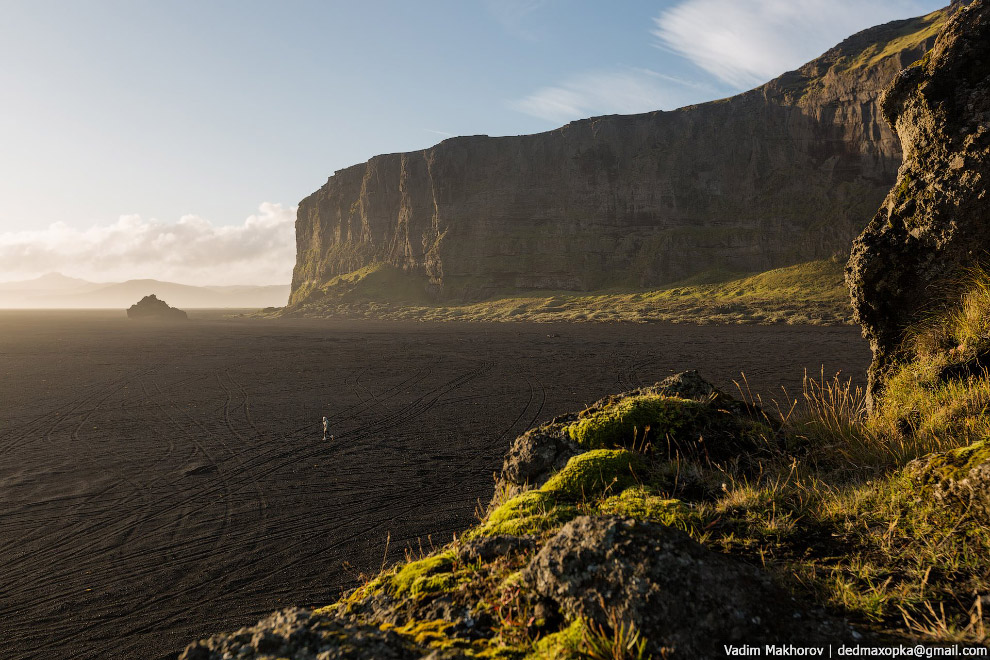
(173, 138)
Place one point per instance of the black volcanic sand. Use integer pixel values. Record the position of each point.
(160, 483)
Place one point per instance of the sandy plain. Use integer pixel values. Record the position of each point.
(159, 483)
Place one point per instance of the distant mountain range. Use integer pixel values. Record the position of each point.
(55, 290)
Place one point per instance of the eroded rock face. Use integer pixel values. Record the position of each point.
(676, 593)
(934, 222)
(151, 308)
(785, 173)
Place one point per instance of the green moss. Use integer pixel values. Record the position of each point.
(955, 464)
(437, 634)
(425, 576)
(593, 473)
(370, 588)
(529, 513)
(586, 476)
(642, 504)
(621, 423)
(902, 189)
(560, 645)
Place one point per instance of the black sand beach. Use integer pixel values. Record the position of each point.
(161, 483)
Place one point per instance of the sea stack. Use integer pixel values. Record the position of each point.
(150, 307)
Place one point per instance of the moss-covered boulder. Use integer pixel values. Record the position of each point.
(959, 477)
(682, 416)
(671, 426)
(587, 476)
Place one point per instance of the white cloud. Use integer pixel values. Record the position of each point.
(190, 251)
(611, 92)
(747, 43)
(516, 16)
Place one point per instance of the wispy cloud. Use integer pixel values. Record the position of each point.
(611, 92)
(745, 44)
(191, 250)
(443, 133)
(514, 16)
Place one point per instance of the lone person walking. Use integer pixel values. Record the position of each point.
(326, 427)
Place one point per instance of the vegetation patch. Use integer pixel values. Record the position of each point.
(643, 503)
(531, 512)
(593, 473)
(425, 576)
(632, 418)
(808, 293)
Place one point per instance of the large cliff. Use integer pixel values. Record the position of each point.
(788, 172)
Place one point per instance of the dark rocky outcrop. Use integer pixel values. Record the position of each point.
(933, 224)
(696, 417)
(151, 308)
(782, 174)
(670, 588)
(302, 635)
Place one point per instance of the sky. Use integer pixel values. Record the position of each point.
(173, 139)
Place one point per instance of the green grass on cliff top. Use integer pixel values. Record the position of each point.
(809, 293)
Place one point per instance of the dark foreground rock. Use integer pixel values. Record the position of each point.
(674, 592)
(933, 224)
(302, 635)
(151, 308)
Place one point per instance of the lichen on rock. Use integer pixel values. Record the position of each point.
(958, 477)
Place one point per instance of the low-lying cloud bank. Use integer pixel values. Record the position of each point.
(189, 251)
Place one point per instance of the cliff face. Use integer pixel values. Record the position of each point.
(933, 224)
(787, 172)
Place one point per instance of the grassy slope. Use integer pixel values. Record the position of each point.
(813, 293)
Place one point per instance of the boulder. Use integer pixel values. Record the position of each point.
(682, 415)
(959, 478)
(303, 635)
(933, 224)
(685, 600)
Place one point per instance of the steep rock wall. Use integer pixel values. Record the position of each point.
(788, 172)
(933, 224)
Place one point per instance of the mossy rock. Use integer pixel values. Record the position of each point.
(643, 504)
(959, 477)
(670, 425)
(429, 575)
(593, 473)
(587, 476)
(561, 645)
(531, 512)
